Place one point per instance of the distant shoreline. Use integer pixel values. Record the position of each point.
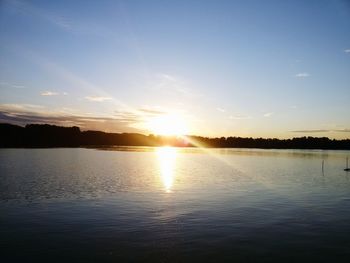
(120, 148)
(51, 136)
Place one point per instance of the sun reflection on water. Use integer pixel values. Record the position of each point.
(167, 157)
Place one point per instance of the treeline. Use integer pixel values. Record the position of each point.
(38, 135)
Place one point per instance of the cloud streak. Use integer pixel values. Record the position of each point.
(220, 109)
(10, 85)
(152, 111)
(172, 86)
(29, 9)
(239, 117)
(49, 93)
(97, 98)
(61, 21)
(302, 75)
(22, 114)
(321, 131)
(268, 114)
(311, 131)
(119, 121)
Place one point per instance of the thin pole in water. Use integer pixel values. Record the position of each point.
(347, 169)
(322, 166)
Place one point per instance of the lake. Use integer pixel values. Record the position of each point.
(142, 204)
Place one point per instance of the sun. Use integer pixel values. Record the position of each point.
(168, 125)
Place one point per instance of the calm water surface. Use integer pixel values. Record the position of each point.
(173, 205)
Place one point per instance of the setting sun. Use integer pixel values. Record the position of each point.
(168, 125)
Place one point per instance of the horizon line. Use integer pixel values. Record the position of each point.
(185, 135)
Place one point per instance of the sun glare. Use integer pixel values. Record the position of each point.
(168, 125)
(166, 158)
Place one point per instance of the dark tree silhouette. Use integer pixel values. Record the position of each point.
(45, 135)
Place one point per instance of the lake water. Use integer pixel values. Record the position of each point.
(173, 205)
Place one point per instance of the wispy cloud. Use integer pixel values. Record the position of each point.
(347, 50)
(27, 8)
(268, 114)
(49, 93)
(19, 86)
(166, 81)
(20, 107)
(73, 79)
(119, 121)
(140, 115)
(128, 117)
(97, 98)
(302, 75)
(11, 85)
(321, 131)
(152, 111)
(167, 77)
(311, 131)
(239, 117)
(171, 85)
(343, 130)
(220, 109)
(61, 21)
(22, 114)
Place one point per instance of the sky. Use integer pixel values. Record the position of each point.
(225, 68)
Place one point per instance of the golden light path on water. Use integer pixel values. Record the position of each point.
(167, 160)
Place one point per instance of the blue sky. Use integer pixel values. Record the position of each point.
(241, 68)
